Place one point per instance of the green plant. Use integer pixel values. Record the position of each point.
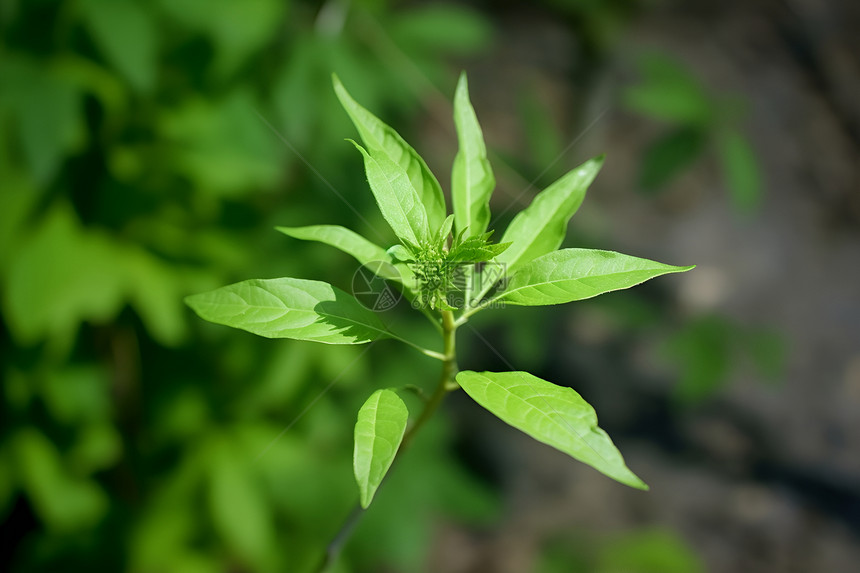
(448, 268)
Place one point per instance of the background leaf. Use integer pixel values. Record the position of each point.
(236, 30)
(668, 92)
(740, 170)
(126, 34)
(64, 501)
(63, 274)
(543, 132)
(238, 510)
(472, 179)
(649, 551)
(551, 414)
(222, 145)
(576, 274)
(378, 433)
(453, 28)
(669, 156)
(540, 228)
(48, 110)
(290, 308)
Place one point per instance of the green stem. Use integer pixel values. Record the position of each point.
(446, 379)
(447, 383)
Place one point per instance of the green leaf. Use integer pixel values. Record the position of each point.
(667, 157)
(75, 396)
(649, 551)
(48, 110)
(475, 249)
(669, 92)
(472, 178)
(551, 414)
(290, 308)
(60, 276)
(370, 255)
(240, 513)
(445, 28)
(740, 170)
(126, 34)
(222, 146)
(236, 30)
(63, 274)
(64, 501)
(541, 129)
(444, 232)
(540, 228)
(97, 447)
(341, 238)
(155, 289)
(703, 351)
(768, 350)
(378, 433)
(17, 202)
(396, 197)
(575, 274)
(382, 139)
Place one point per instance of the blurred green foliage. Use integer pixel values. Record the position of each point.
(146, 151)
(141, 161)
(696, 120)
(643, 551)
(710, 349)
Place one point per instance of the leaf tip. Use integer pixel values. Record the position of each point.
(636, 483)
(191, 301)
(340, 91)
(357, 145)
(346, 101)
(462, 86)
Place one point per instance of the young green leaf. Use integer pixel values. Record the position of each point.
(477, 249)
(378, 433)
(551, 414)
(291, 308)
(575, 274)
(444, 231)
(472, 178)
(382, 139)
(347, 241)
(540, 228)
(396, 197)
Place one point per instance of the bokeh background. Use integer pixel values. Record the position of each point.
(147, 150)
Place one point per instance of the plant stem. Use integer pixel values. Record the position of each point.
(447, 383)
(446, 379)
